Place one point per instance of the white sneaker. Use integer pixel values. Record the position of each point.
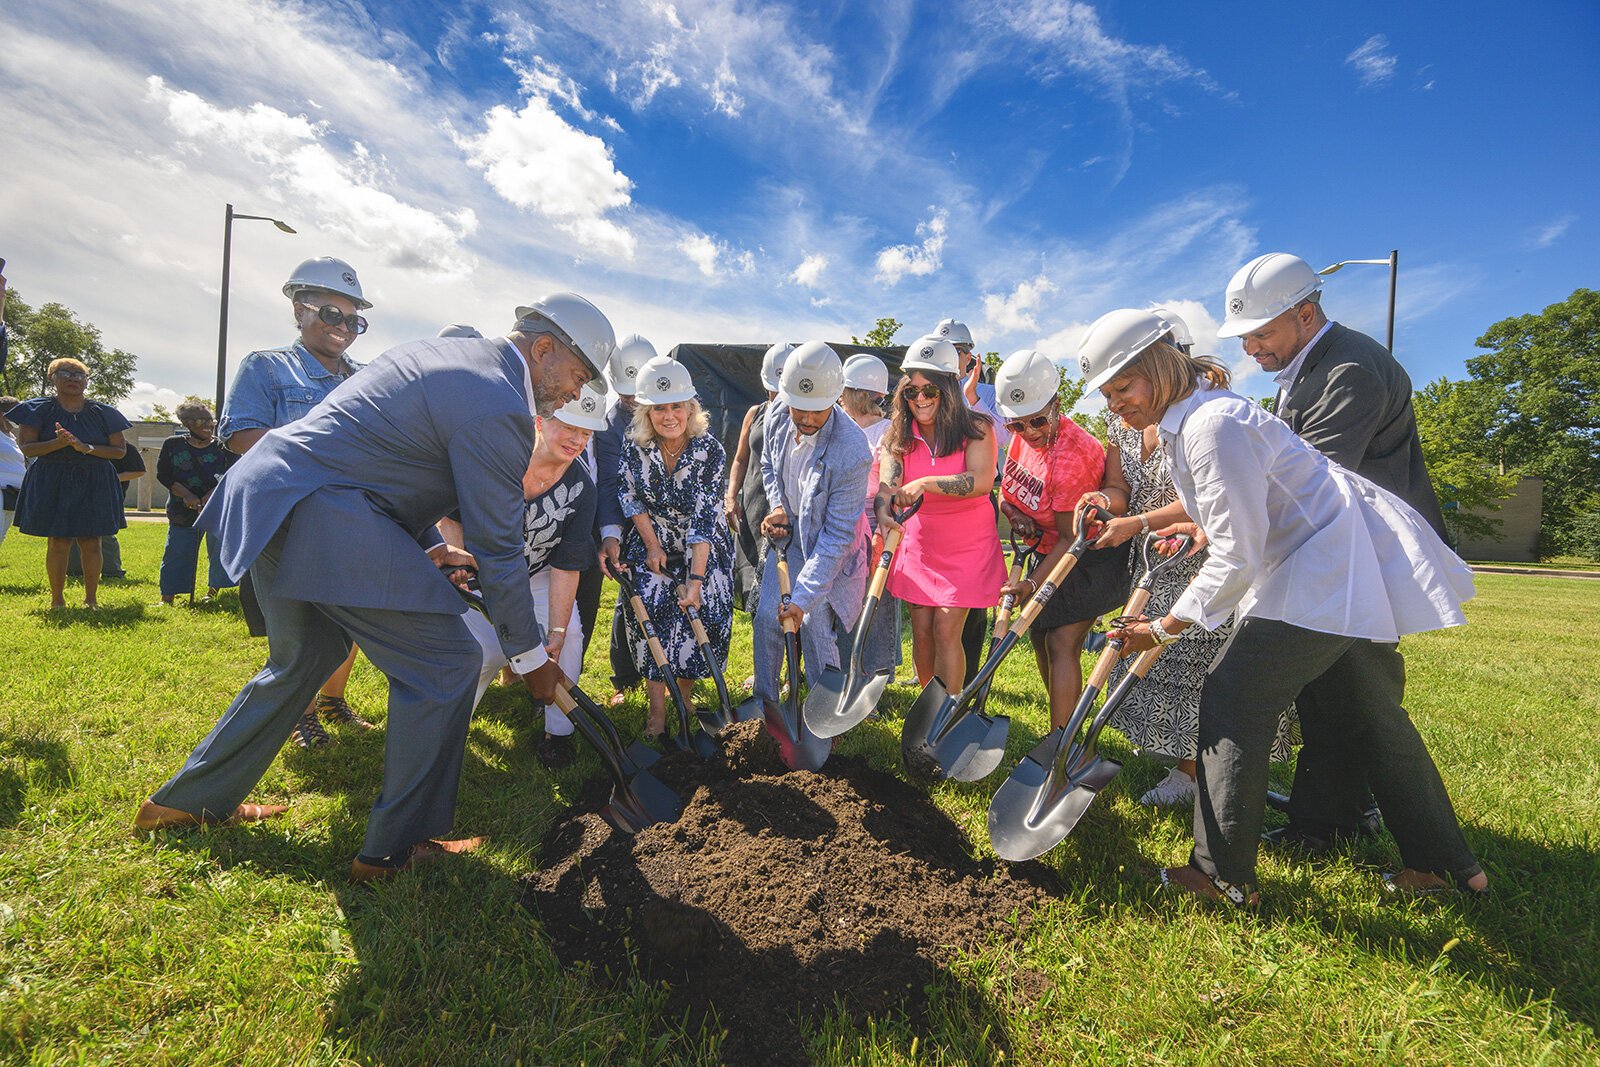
(1176, 788)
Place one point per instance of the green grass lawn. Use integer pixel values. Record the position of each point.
(248, 945)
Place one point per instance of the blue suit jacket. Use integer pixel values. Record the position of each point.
(427, 428)
(830, 525)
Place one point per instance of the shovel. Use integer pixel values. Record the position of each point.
(840, 699)
(638, 798)
(687, 738)
(724, 714)
(944, 735)
(798, 747)
(1041, 801)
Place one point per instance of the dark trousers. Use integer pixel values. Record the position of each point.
(1266, 667)
(588, 602)
(1330, 794)
(975, 641)
(624, 675)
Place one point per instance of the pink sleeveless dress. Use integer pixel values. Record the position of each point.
(950, 557)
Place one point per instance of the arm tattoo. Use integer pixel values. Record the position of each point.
(889, 471)
(955, 485)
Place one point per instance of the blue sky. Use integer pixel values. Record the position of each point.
(716, 171)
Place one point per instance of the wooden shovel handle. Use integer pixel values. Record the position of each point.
(880, 576)
(1002, 618)
(695, 624)
(783, 586)
(1042, 595)
(1146, 660)
(1113, 650)
(657, 653)
(564, 700)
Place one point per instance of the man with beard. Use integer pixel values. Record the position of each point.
(428, 428)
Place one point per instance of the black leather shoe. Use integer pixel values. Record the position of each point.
(555, 752)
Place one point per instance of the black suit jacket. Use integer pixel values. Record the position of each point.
(1352, 402)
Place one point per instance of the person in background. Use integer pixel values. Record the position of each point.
(747, 495)
(558, 501)
(460, 330)
(980, 396)
(1348, 397)
(1325, 571)
(672, 493)
(70, 493)
(130, 468)
(189, 466)
(632, 353)
(278, 386)
(815, 464)
(866, 387)
(1050, 463)
(949, 561)
(12, 466)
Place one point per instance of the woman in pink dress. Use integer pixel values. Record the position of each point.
(940, 450)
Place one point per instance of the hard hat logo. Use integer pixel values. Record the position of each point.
(588, 405)
(349, 277)
(1236, 306)
(944, 331)
(805, 385)
(663, 383)
(1017, 396)
(1083, 364)
(630, 372)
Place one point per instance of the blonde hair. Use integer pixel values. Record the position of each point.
(642, 432)
(1172, 374)
(66, 363)
(860, 401)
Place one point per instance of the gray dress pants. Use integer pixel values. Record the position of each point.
(1266, 668)
(432, 664)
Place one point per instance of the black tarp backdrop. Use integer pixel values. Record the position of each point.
(728, 380)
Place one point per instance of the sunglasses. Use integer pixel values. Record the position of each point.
(334, 317)
(71, 375)
(1018, 425)
(927, 392)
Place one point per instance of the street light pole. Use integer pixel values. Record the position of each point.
(222, 326)
(1393, 263)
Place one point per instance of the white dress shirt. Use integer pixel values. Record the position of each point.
(1285, 378)
(536, 657)
(800, 461)
(1298, 538)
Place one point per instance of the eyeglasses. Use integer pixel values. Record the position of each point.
(1018, 425)
(71, 375)
(334, 317)
(927, 392)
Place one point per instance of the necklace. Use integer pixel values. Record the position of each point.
(670, 455)
(539, 483)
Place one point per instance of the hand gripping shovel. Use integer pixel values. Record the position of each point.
(688, 737)
(840, 699)
(724, 714)
(638, 798)
(1047, 793)
(798, 747)
(944, 736)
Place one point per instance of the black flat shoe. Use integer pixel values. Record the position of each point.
(555, 752)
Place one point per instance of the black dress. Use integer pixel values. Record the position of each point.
(67, 493)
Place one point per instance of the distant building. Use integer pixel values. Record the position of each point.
(1520, 515)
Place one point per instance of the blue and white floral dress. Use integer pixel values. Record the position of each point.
(685, 506)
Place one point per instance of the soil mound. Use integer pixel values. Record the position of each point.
(777, 894)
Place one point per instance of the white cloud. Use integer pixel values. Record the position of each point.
(144, 397)
(724, 98)
(1372, 61)
(1009, 314)
(920, 259)
(1551, 232)
(291, 154)
(809, 272)
(539, 162)
(702, 252)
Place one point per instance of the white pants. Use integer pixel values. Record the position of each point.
(5, 525)
(494, 657)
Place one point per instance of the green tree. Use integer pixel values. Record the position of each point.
(1544, 371)
(1069, 393)
(54, 332)
(1455, 425)
(881, 335)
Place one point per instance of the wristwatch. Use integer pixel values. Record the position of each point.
(1160, 636)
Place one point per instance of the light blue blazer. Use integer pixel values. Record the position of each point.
(830, 526)
(359, 484)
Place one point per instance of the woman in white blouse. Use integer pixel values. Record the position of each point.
(1326, 571)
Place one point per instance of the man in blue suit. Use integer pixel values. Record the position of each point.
(428, 428)
(815, 464)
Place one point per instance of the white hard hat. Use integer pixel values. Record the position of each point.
(632, 353)
(325, 272)
(1114, 340)
(663, 380)
(772, 365)
(1026, 382)
(586, 411)
(1265, 288)
(579, 324)
(459, 329)
(1180, 329)
(812, 379)
(866, 371)
(932, 354)
(953, 331)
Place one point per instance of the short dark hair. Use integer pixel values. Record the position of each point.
(7, 403)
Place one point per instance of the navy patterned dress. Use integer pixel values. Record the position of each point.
(66, 493)
(686, 507)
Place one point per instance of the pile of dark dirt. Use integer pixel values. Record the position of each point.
(777, 894)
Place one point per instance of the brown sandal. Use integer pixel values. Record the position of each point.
(1191, 879)
(153, 816)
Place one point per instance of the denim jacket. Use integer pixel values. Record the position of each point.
(277, 386)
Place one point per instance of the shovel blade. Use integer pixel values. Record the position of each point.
(860, 696)
(637, 756)
(958, 745)
(798, 748)
(1034, 810)
(644, 803)
(823, 700)
(989, 753)
(933, 705)
(750, 709)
